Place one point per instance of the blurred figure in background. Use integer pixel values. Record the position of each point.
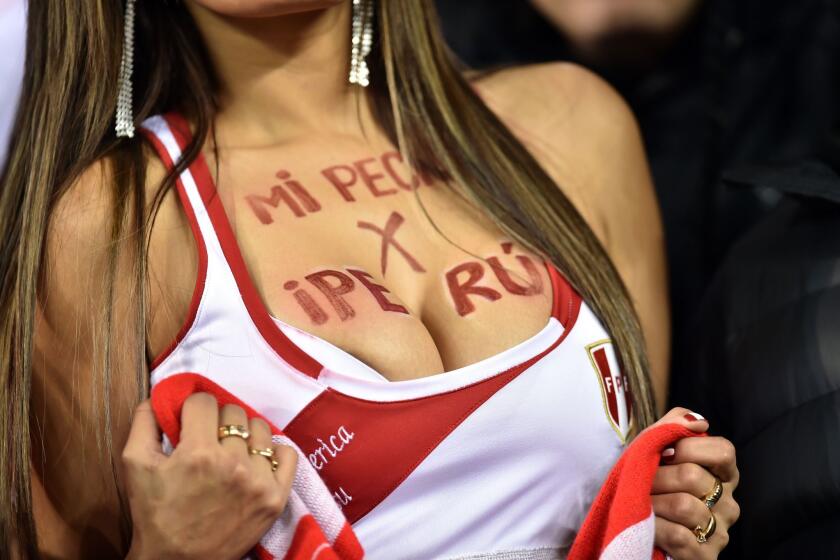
(765, 365)
(618, 34)
(714, 84)
(12, 43)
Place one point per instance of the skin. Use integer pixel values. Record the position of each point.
(286, 105)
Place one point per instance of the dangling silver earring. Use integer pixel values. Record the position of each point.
(361, 41)
(125, 113)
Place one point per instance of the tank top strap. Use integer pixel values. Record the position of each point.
(567, 302)
(230, 295)
(215, 295)
(170, 135)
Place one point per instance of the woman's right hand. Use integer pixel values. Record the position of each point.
(210, 498)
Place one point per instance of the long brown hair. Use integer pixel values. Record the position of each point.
(64, 125)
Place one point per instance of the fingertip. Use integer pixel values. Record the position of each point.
(286, 451)
(287, 456)
(202, 398)
(144, 427)
(696, 422)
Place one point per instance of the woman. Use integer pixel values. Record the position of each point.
(300, 260)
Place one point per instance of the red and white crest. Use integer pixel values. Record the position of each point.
(615, 387)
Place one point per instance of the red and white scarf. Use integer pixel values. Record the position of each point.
(619, 525)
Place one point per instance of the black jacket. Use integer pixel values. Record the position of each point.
(764, 366)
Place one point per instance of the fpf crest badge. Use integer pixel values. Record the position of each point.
(615, 389)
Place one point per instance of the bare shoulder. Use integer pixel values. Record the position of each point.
(550, 92)
(74, 292)
(78, 241)
(86, 198)
(68, 371)
(81, 252)
(580, 130)
(585, 136)
(545, 96)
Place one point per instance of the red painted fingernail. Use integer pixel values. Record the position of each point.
(693, 417)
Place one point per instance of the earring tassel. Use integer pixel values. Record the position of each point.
(125, 116)
(361, 42)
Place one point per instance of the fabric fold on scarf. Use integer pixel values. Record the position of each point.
(619, 525)
(312, 526)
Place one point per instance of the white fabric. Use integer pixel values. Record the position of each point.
(223, 342)
(540, 436)
(634, 542)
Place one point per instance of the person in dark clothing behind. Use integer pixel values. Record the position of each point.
(765, 366)
(730, 82)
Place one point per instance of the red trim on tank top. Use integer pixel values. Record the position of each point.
(566, 302)
(201, 248)
(275, 338)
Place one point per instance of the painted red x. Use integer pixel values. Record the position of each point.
(395, 220)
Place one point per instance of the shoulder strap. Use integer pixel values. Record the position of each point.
(234, 292)
(167, 144)
(166, 136)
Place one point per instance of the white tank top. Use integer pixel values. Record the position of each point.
(498, 459)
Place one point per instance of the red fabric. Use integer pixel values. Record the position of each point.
(347, 545)
(310, 542)
(169, 395)
(310, 504)
(201, 248)
(624, 499)
(284, 347)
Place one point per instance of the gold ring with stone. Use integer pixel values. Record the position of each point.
(704, 534)
(714, 494)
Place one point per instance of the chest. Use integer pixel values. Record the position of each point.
(390, 265)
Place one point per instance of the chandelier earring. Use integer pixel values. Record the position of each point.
(361, 39)
(125, 114)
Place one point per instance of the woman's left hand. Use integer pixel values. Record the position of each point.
(686, 476)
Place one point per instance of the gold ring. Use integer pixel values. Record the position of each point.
(233, 430)
(268, 453)
(703, 535)
(714, 495)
